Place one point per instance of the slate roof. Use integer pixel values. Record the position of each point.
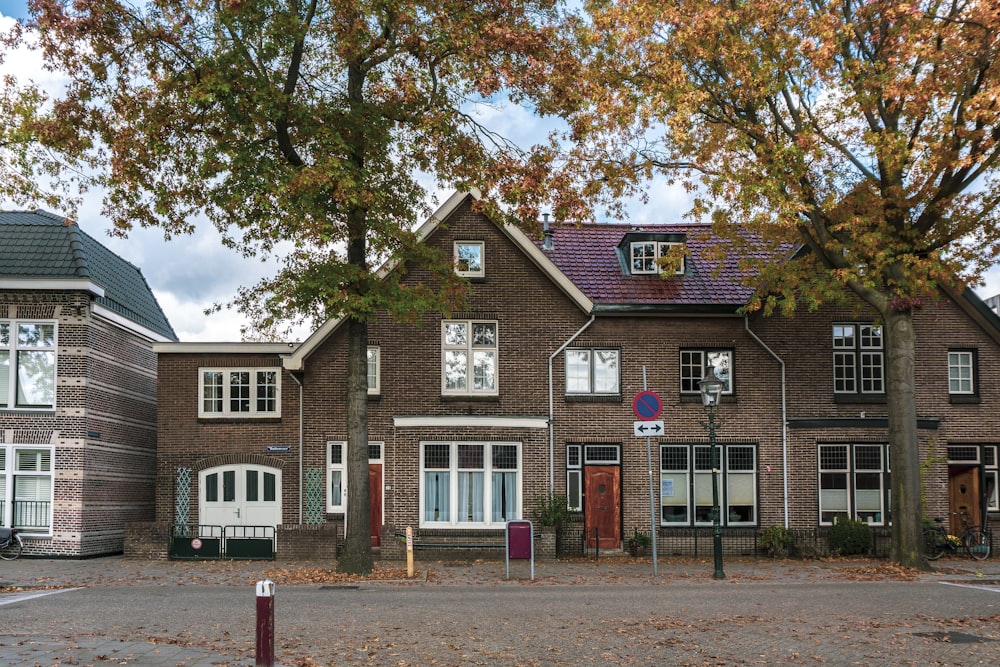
(589, 256)
(43, 246)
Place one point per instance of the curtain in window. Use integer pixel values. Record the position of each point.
(470, 496)
(504, 496)
(437, 496)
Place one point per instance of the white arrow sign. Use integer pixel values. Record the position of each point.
(648, 429)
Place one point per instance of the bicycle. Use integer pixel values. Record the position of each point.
(10, 544)
(973, 539)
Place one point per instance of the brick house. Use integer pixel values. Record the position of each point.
(77, 388)
(474, 417)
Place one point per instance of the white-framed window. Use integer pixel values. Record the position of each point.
(27, 364)
(647, 257)
(991, 472)
(574, 479)
(470, 259)
(469, 351)
(469, 484)
(336, 472)
(961, 372)
(26, 488)
(854, 483)
(593, 371)
(858, 359)
(686, 496)
(239, 392)
(694, 365)
(374, 370)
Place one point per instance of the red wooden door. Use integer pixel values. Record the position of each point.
(963, 492)
(375, 499)
(602, 507)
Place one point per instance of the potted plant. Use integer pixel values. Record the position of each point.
(638, 543)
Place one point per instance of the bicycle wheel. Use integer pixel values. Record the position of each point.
(933, 544)
(13, 548)
(977, 543)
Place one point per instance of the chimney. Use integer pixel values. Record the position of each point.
(547, 243)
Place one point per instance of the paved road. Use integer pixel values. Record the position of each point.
(578, 613)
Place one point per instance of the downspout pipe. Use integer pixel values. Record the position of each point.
(552, 409)
(301, 480)
(784, 415)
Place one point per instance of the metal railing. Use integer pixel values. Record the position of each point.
(29, 515)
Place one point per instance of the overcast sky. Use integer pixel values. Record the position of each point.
(189, 273)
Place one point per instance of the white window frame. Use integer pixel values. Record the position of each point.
(374, 370)
(574, 478)
(694, 363)
(860, 360)
(991, 476)
(11, 347)
(961, 372)
(9, 473)
(452, 520)
(690, 485)
(584, 371)
(645, 257)
(462, 266)
(470, 349)
(227, 386)
(341, 468)
(852, 494)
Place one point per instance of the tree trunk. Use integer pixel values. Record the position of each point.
(904, 445)
(357, 555)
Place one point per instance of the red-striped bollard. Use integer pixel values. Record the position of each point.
(265, 623)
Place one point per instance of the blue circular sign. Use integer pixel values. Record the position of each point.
(647, 405)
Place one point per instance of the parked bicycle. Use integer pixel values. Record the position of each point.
(10, 544)
(974, 540)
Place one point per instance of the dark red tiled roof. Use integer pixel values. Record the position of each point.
(588, 255)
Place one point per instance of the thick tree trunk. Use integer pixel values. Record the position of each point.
(357, 555)
(904, 445)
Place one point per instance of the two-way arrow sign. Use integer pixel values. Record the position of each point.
(646, 429)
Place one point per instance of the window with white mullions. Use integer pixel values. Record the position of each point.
(27, 364)
(592, 371)
(469, 357)
(26, 488)
(961, 372)
(239, 392)
(686, 494)
(470, 483)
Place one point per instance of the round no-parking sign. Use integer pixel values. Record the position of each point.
(646, 405)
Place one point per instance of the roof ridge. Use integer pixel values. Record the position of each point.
(76, 247)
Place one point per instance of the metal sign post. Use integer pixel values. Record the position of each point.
(647, 407)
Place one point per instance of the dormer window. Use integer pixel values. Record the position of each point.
(647, 257)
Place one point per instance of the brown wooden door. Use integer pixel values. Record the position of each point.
(375, 499)
(963, 496)
(602, 506)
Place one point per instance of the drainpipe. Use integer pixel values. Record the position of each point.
(301, 481)
(552, 434)
(784, 415)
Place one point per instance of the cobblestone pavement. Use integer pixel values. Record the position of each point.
(612, 611)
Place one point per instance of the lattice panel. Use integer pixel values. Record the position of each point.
(315, 506)
(182, 496)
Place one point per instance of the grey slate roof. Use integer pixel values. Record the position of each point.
(44, 246)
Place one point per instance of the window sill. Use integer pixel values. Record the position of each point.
(239, 420)
(964, 399)
(593, 398)
(27, 411)
(868, 399)
(470, 398)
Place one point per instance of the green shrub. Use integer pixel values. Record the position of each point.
(553, 511)
(849, 537)
(776, 540)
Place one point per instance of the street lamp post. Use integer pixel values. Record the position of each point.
(711, 393)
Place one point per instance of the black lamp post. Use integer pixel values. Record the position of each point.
(711, 394)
